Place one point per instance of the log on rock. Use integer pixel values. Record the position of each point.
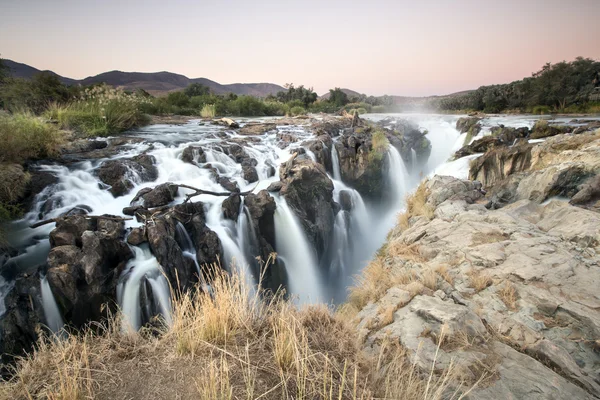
(49, 221)
(198, 192)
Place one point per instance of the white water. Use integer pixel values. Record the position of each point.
(357, 233)
(54, 320)
(298, 256)
(143, 265)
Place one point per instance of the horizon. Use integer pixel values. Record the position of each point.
(302, 44)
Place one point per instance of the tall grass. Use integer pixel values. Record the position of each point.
(100, 111)
(24, 136)
(227, 343)
(208, 111)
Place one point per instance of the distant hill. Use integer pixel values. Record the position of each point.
(350, 93)
(155, 83)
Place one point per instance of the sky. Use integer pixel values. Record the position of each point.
(411, 48)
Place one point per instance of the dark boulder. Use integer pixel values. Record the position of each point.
(159, 196)
(249, 173)
(543, 129)
(498, 163)
(469, 124)
(275, 187)
(193, 155)
(231, 207)
(346, 200)
(137, 236)
(121, 174)
(309, 193)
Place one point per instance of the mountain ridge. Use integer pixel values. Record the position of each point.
(155, 83)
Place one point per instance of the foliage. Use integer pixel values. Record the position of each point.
(338, 97)
(4, 71)
(563, 87)
(298, 110)
(196, 89)
(208, 111)
(304, 96)
(34, 95)
(24, 136)
(101, 111)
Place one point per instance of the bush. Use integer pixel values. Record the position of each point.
(538, 110)
(208, 111)
(24, 136)
(33, 95)
(361, 111)
(297, 111)
(378, 109)
(102, 111)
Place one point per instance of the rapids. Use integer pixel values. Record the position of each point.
(357, 233)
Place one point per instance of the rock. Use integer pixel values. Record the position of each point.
(193, 155)
(80, 209)
(249, 173)
(161, 195)
(588, 192)
(257, 128)
(39, 180)
(23, 315)
(228, 184)
(346, 200)
(309, 193)
(137, 236)
(542, 129)
(275, 186)
(228, 122)
(121, 174)
(231, 207)
(497, 164)
(469, 124)
(321, 148)
(501, 137)
(84, 263)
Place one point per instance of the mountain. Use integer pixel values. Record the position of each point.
(155, 83)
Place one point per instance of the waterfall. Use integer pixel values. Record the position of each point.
(342, 244)
(54, 320)
(336, 164)
(143, 265)
(397, 174)
(187, 247)
(299, 259)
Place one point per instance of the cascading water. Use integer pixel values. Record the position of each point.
(143, 266)
(397, 174)
(357, 232)
(337, 175)
(54, 320)
(186, 245)
(299, 259)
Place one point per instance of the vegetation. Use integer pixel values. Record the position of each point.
(301, 94)
(24, 136)
(34, 95)
(338, 97)
(562, 87)
(229, 344)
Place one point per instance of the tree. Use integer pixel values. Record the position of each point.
(338, 97)
(4, 71)
(305, 95)
(196, 89)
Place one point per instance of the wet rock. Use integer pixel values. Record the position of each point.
(588, 192)
(39, 180)
(543, 129)
(309, 193)
(231, 207)
(83, 276)
(499, 163)
(321, 148)
(159, 196)
(23, 314)
(346, 200)
(228, 184)
(275, 186)
(121, 174)
(257, 128)
(469, 124)
(137, 236)
(80, 209)
(249, 173)
(193, 155)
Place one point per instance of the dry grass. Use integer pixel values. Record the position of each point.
(508, 295)
(479, 280)
(371, 284)
(416, 205)
(429, 278)
(444, 272)
(233, 346)
(398, 248)
(488, 237)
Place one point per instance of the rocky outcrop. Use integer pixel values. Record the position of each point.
(121, 174)
(469, 124)
(23, 315)
(193, 155)
(309, 193)
(496, 164)
(500, 137)
(160, 195)
(257, 128)
(543, 129)
(86, 258)
(509, 293)
(321, 148)
(408, 138)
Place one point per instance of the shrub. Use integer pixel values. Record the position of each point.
(102, 111)
(208, 111)
(298, 110)
(361, 111)
(33, 95)
(24, 136)
(378, 109)
(178, 99)
(541, 110)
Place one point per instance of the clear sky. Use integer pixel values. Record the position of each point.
(372, 46)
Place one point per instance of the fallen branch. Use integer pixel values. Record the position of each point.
(49, 221)
(198, 192)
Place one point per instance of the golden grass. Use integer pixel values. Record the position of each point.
(479, 280)
(429, 278)
(488, 237)
(508, 295)
(398, 248)
(444, 272)
(416, 205)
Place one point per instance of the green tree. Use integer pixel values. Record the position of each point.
(196, 89)
(4, 71)
(178, 99)
(338, 97)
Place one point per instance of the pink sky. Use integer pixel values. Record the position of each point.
(375, 47)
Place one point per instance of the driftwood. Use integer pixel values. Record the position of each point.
(198, 192)
(49, 221)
